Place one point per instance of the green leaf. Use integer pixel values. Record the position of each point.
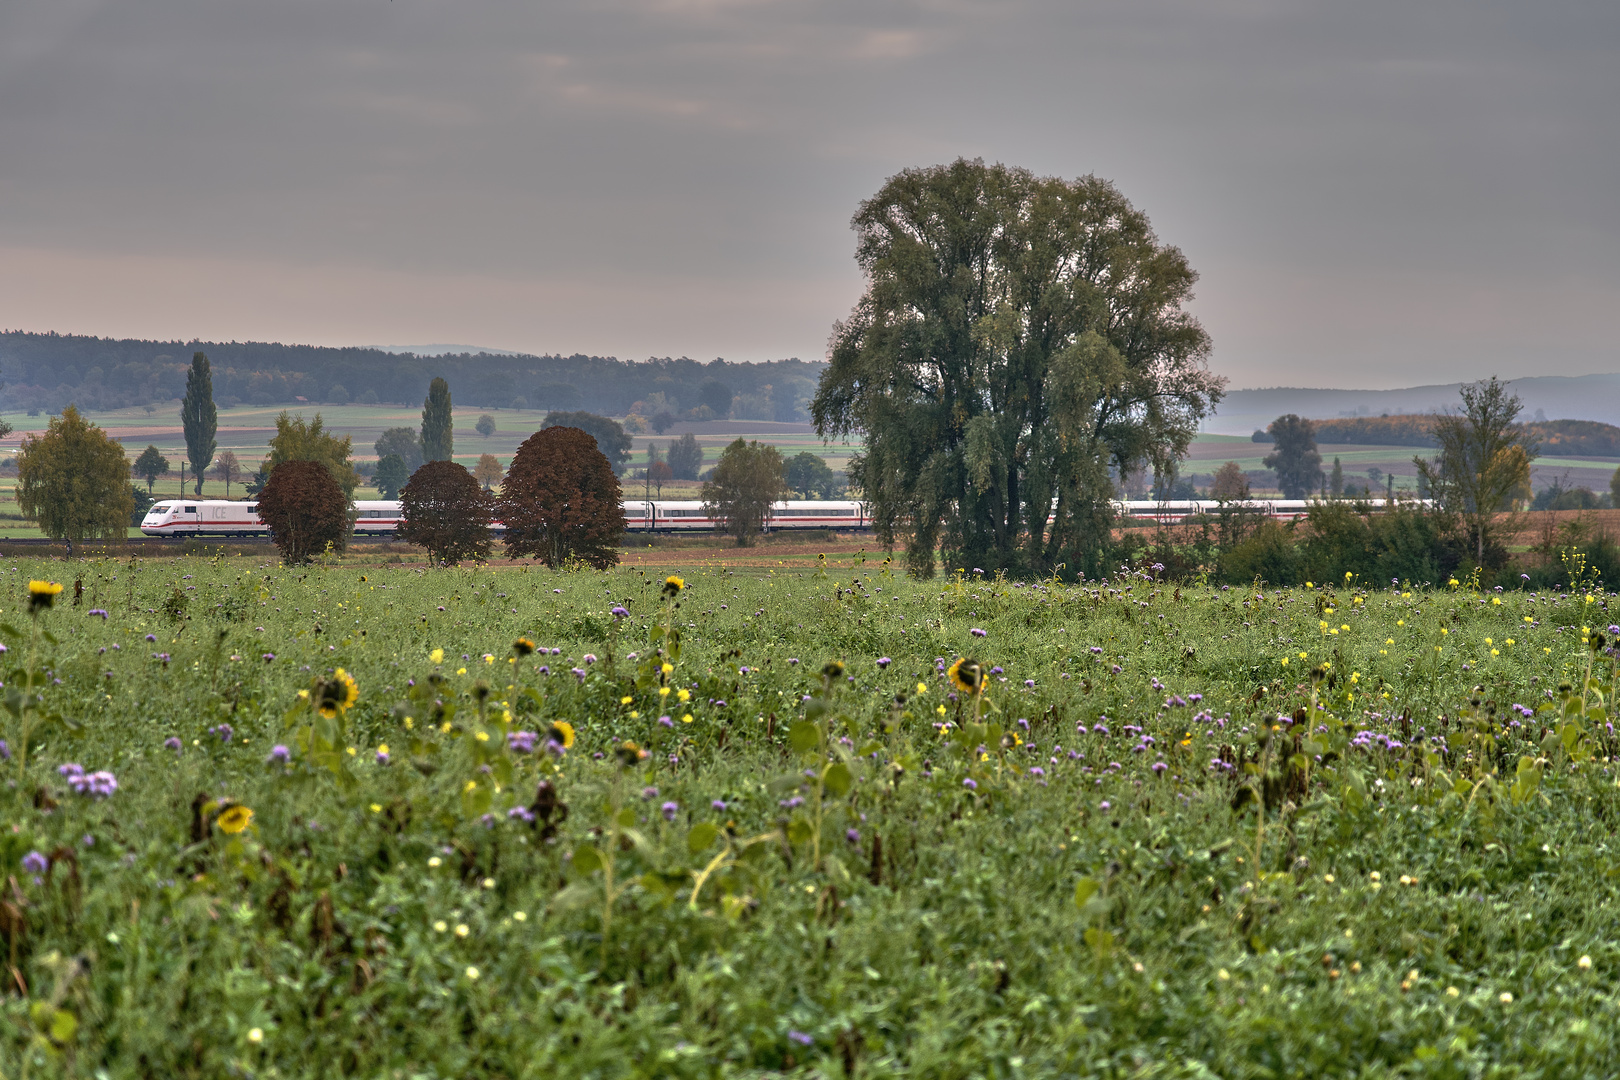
(799, 831)
(804, 736)
(815, 708)
(1084, 890)
(837, 779)
(574, 897)
(587, 860)
(475, 801)
(1101, 940)
(627, 817)
(701, 836)
(64, 1025)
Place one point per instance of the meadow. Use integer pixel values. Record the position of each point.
(502, 821)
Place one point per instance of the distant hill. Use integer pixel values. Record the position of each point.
(1582, 397)
(1558, 438)
(48, 371)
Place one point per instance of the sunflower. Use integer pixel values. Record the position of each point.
(336, 694)
(966, 675)
(562, 733)
(235, 818)
(523, 647)
(42, 594)
(629, 753)
(673, 585)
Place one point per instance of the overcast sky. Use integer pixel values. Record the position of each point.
(1376, 193)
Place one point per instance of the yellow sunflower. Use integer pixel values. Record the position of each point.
(523, 646)
(337, 694)
(673, 585)
(42, 594)
(966, 675)
(562, 732)
(234, 819)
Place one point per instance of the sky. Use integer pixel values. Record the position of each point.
(1375, 194)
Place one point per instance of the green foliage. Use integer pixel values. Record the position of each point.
(485, 425)
(390, 475)
(1484, 462)
(438, 426)
(150, 465)
(405, 444)
(1295, 460)
(747, 479)
(299, 440)
(808, 476)
(1019, 338)
(685, 456)
(199, 417)
(74, 481)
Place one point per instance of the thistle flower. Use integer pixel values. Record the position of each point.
(669, 810)
(42, 594)
(173, 743)
(35, 863)
(279, 755)
(521, 742)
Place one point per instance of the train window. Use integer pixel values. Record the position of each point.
(191, 509)
(161, 508)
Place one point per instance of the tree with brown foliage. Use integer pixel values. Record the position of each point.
(305, 509)
(1230, 483)
(560, 501)
(446, 511)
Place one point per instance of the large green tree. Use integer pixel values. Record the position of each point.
(747, 479)
(299, 440)
(151, 465)
(1021, 343)
(74, 481)
(405, 442)
(1484, 461)
(1294, 457)
(808, 475)
(438, 428)
(199, 417)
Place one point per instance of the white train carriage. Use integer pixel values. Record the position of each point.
(218, 517)
(664, 515)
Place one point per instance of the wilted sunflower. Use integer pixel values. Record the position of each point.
(966, 675)
(629, 753)
(42, 594)
(561, 732)
(832, 669)
(337, 694)
(673, 585)
(234, 819)
(523, 647)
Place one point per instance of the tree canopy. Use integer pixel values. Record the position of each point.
(808, 475)
(299, 440)
(747, 479)
(560, 501)
(1021, 343)
(151, 465)
(438, 427)
(447, 512)
(1484, 462)
(611, 438)
(1294, 457)
(74, 480)
(199, 417)
(404, 441)
(685, 457)
(390, 475)
(305, 509)
(485, 425)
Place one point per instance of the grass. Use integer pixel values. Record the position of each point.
(813, 870)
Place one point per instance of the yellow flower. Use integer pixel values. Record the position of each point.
(523, 646)
(436, 656)
(336, 694)
(663, 691)
(383, 748)
(235, 819)
(922, 688)
(472, 973)
(435, 861)
(42, 594)
(520, 916)
(685, 694)
(256, 1035)
(966, 675)
(482, 736)
(461, 671)
(673, 585)
(462, 930)
(441, 926)
(563, 732)
(686, 718)
(627, 699)
(376, 808)
(666, 667)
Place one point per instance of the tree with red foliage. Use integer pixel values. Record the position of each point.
(560, 501)
(448, 512)
(305, 509)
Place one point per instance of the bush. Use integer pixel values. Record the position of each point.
(305, 509)
(560, 501)
(448, 512)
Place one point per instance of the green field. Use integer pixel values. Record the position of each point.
(812, 870)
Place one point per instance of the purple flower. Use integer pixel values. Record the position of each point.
(618, 612)
(1030, 683)
(5, 750)
(98, 611)
(521, 813)
(88, 841)
(173, 743)
(579, 673)
(670, 810)
(719, 804)
(1159, 766)
(1036, 770)
(224, 731)
(666, 721)
(590, 658)
(649, 793)
(970, 784)
(487, 821)
(70, 770)
(1104, 805)
(269, 656)
(279, 754)
(151, 637)
(97, 785)
(35, 863)
(1114, 669)
(382, 757)
(1096, 650)
(976, 632)
(801, 1038)
(884, 661)
(521, 742)
(791, 804)
(853, 836)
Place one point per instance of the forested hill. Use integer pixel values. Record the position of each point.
(1558, 438)
(47, 371)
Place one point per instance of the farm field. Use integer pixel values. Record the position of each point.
(378, 820)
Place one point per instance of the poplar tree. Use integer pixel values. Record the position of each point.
(199, 417)
(438, 429)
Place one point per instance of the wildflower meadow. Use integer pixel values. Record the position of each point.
(263, 821)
